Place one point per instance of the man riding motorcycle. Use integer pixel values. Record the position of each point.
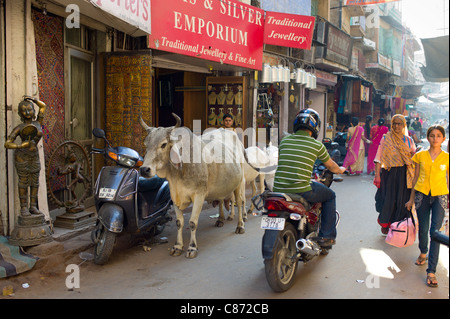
(297, 155)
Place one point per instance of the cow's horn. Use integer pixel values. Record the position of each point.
(143, 124)
(178, 120)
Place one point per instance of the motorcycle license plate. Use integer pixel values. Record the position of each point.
(106, 193)
(272, 223)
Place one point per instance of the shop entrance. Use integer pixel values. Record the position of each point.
(168, 100)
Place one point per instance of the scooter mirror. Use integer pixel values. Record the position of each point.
(98, 132)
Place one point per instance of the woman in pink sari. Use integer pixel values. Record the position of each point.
(354, 160)
(376, 134)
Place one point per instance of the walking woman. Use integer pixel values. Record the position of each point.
(354, 160)
(430, 195)
(376, 133)
(394, 173)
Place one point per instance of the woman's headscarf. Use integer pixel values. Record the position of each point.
(395, 151)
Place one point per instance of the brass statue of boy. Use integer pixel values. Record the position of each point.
(26, 155)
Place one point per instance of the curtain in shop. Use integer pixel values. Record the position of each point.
(128, 95)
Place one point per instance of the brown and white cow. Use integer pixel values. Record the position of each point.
(198, 169)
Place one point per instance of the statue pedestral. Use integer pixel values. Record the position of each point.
(75, 218)
(30, 231)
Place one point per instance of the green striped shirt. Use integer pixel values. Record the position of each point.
(297, 155)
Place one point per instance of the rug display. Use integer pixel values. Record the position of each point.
(128, 95)
(48, 31)
(13, 260)
(49, 41)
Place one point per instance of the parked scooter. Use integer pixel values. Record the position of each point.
(125, 201)
(290, 223)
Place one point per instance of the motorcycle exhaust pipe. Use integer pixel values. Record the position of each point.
(308, 247)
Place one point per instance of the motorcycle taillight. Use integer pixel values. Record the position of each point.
(272, 204)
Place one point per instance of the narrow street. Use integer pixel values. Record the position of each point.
(229, 266)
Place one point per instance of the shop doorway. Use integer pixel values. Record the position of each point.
(79, 106)
(168, 99)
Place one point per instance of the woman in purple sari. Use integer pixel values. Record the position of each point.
(354, 160)
(376, 134)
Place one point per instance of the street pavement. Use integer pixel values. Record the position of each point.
(229, 266)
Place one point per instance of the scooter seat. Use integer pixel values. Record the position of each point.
(150, 184)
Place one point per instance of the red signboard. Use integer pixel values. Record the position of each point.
(289, 30)
(225, 31)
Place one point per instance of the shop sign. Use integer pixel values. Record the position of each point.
(372, 65)
(384, 61)
(339, 46)
(396, 67)
(364, 2)
(225, 31)
(134, 12)
(289, 30)
(326, 78)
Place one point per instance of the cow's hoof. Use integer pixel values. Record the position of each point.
(219, 223)
(230, 218)
(192, 253)
(174, 251)
(240, 230)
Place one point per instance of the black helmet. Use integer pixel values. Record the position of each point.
(308, 119)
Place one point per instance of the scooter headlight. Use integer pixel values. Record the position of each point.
(126, 161)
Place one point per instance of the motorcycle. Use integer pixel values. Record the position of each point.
(126, 202)
(341, 138)
(333, 150)
(290, 223)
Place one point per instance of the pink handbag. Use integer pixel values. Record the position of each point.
(402, 233)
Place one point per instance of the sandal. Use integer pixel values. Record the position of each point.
(431, 281)
(421, 260)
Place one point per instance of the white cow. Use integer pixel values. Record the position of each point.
(197, 169)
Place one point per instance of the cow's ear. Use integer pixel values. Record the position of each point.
(175, 156)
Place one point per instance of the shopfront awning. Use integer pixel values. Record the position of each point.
(412, 91)
(436, 58)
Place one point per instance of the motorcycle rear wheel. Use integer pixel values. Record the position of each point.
(281, 268)
(104, 245)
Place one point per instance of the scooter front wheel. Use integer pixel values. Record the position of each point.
(281, 268)
(104, 245)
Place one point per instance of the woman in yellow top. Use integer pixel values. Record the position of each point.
(430, 195)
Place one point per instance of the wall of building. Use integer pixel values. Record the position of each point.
(3, 152)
